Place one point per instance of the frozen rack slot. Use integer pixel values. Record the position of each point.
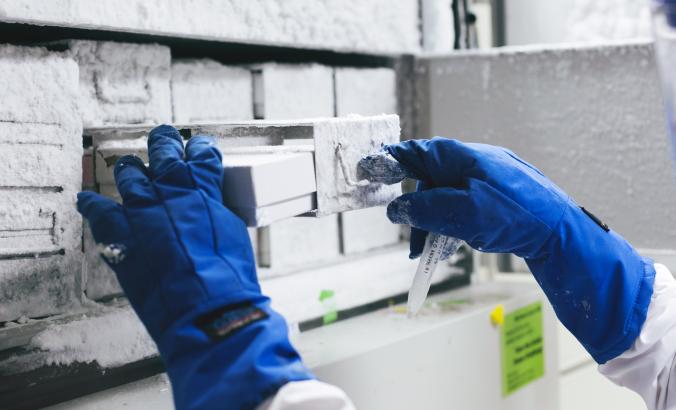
(275, 169)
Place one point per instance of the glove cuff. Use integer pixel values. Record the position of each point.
(636, 317)
(235, 356)
(599, 286)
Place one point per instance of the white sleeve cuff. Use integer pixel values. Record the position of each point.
(647, 365)
(308, 395)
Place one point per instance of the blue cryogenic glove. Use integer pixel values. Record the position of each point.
(186, 264)
(599, 286)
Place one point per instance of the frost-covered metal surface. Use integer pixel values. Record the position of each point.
(110, 337)
(344, 141)
(351, 25)
(153, 393)
(590, 118)
(295, 91)
(366, 91)
(99, 279)
(292, 91)
(205, 90)
(41, 170)
(122, 83)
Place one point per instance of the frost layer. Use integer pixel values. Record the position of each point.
(115, 338)
(351, 25)
(41, 171)
(123, 83)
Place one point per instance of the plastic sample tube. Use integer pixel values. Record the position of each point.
(384, 168)
(434, 246)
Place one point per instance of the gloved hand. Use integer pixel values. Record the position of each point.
(599, 286)
(186, 264)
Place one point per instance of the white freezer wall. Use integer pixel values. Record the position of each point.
(41, 171)
(380, 26)
(590, 118)
(567, 21)
(582, 386)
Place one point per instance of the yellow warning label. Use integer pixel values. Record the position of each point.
(522, 348)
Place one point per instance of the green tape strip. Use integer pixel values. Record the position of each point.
(330, 308)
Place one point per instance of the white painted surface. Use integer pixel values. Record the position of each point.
(350, 25)
(205, 90)
(123, 83)
(41, 171)
(590, 118)
(442, 359)
(571, 352)
(586, 389)
(355, 281)
(383, 360)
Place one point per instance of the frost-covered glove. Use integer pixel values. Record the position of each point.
(186, 264)
(485, 195)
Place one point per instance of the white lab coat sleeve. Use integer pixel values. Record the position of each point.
(648, 366)
(308, 395)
